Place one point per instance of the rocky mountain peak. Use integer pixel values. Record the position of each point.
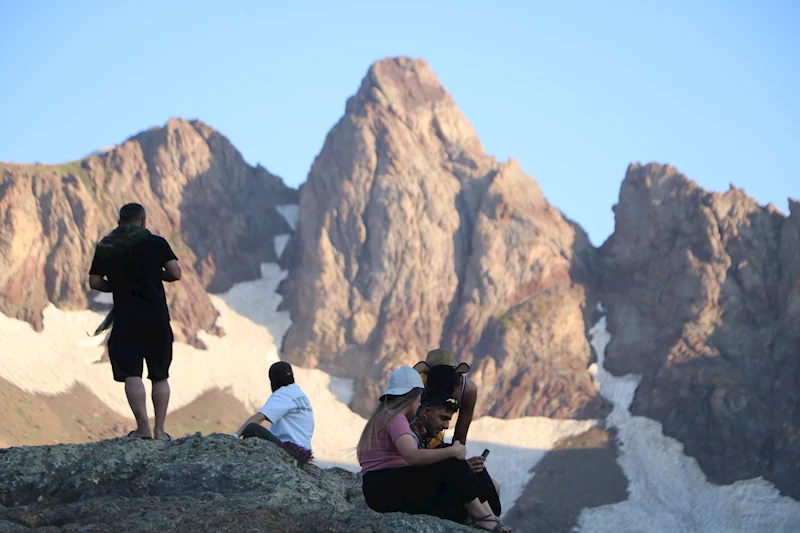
(412, 238)
(794, 208)
(217, 212)
(408, 91)
(704, 302)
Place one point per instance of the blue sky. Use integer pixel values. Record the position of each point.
(574, 90)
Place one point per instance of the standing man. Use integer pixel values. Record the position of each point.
(131, 263)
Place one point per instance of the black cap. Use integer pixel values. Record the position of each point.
(432, 397)
(281, 368)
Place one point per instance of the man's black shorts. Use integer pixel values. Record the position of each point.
(137, 339)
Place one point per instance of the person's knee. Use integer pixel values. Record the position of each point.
(252, 430)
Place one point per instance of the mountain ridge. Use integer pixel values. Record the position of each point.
(179, 172)
(410, 237)
(397, 217)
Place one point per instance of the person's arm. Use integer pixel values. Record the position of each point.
(99, 283)
(172, 271)
(414, 456)
(169, 262)
(466, 412)
(255, 419)
(97, 276)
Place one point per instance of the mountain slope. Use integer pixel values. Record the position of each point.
(411, 238)
(217, 212)
(703, 293)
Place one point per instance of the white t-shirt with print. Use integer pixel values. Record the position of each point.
(289, 412)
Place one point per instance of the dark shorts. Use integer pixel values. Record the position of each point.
(134, 340)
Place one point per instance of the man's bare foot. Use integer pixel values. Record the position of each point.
(163, 435)
(136, 434)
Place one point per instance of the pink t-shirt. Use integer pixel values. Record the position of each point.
(384, 453)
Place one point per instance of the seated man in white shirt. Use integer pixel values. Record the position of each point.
(287, 410)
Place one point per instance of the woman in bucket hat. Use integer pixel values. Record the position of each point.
(400, 477)
(440, 371)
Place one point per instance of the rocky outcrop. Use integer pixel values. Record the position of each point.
(411, 237)
(217, 212)
(703, 295)
(213, 483)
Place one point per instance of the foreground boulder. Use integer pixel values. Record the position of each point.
(212, 483)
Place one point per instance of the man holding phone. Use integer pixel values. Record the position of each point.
(435, 412)
(477, 463)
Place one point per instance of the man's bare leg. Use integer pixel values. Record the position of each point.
(137, 399)
(487, 507)
(160, 404)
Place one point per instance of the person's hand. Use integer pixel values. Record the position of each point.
(459, 450)
(476, 463)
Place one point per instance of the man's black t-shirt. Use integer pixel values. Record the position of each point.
(135, 277)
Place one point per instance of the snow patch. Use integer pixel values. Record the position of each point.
(516, 446)
(280, 242)
(258, 300)
(343, 389)
(103, 150)
(668, 490)
(104, 298)
(291, 212)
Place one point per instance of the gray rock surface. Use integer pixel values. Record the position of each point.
(213, 483)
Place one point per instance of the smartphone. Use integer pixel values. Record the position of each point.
(485, 454)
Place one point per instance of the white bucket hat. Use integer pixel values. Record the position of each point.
(403, 380)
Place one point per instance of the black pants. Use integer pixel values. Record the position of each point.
(487, 492)
(257, 430)
(440, 489)
(485, 486)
